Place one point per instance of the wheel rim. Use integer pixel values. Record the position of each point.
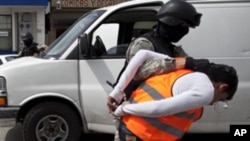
(52, 128)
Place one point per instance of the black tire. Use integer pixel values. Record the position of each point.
(51, 121)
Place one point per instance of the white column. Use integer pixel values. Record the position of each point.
(40, 26)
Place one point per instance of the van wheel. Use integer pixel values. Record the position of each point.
(51, 121)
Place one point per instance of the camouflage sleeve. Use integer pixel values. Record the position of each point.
(136, 45)
(158, 66)
(154, 66)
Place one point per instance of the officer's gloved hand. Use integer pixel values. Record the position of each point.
(200, 65)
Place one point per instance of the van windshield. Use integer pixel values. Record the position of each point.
(57, 48)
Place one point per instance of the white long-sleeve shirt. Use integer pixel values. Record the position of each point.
(140, 57)
(190, 91)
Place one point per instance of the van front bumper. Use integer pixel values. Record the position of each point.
(8, 112)
(8, 116)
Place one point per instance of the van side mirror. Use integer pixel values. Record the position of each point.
(83, 44)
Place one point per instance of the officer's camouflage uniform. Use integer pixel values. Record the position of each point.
(151, 66)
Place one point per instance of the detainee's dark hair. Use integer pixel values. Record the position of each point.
(226, 74)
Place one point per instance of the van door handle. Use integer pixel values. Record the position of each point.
(110, 84)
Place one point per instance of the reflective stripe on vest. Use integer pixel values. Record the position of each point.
(169, 127)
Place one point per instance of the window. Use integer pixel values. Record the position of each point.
(108, 33)
(5, 33)
(112, 37)
(105, 38)
(142, 27)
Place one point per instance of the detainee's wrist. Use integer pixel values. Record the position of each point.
(179, 62)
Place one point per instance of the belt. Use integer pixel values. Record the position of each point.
(125, 134)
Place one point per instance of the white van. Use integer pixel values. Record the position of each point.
(65, 91)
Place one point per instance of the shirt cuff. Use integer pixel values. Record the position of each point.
(117, 95)
(119, 111)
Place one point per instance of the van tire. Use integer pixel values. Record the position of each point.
(51, 121)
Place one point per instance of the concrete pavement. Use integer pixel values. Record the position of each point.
(3, 132)
(9, 132)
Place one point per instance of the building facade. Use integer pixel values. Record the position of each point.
(20, 16)
(45, 19)
(63, 13)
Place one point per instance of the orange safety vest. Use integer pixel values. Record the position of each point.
(165, 128)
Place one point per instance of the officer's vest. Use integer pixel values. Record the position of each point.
(160, 44)
(165, 128)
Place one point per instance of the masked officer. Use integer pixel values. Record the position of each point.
(30, 48)
(174, 20)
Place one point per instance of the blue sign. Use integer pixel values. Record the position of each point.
(24, 2)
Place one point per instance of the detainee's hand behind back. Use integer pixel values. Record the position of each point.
(112, 104)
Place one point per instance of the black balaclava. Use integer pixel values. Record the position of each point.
(27, 42)
(171, 33)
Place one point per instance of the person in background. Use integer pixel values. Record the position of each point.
(165, 105)
(30, 47)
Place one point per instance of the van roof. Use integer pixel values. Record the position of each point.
(217, 1)
(133, 2)
(138, 2)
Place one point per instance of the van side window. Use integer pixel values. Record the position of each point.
(105, 38)
(112, 37)
(142, 27)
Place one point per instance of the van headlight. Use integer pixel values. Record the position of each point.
(3, 92)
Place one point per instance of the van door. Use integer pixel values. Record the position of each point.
(96, 70)
(105, 59)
